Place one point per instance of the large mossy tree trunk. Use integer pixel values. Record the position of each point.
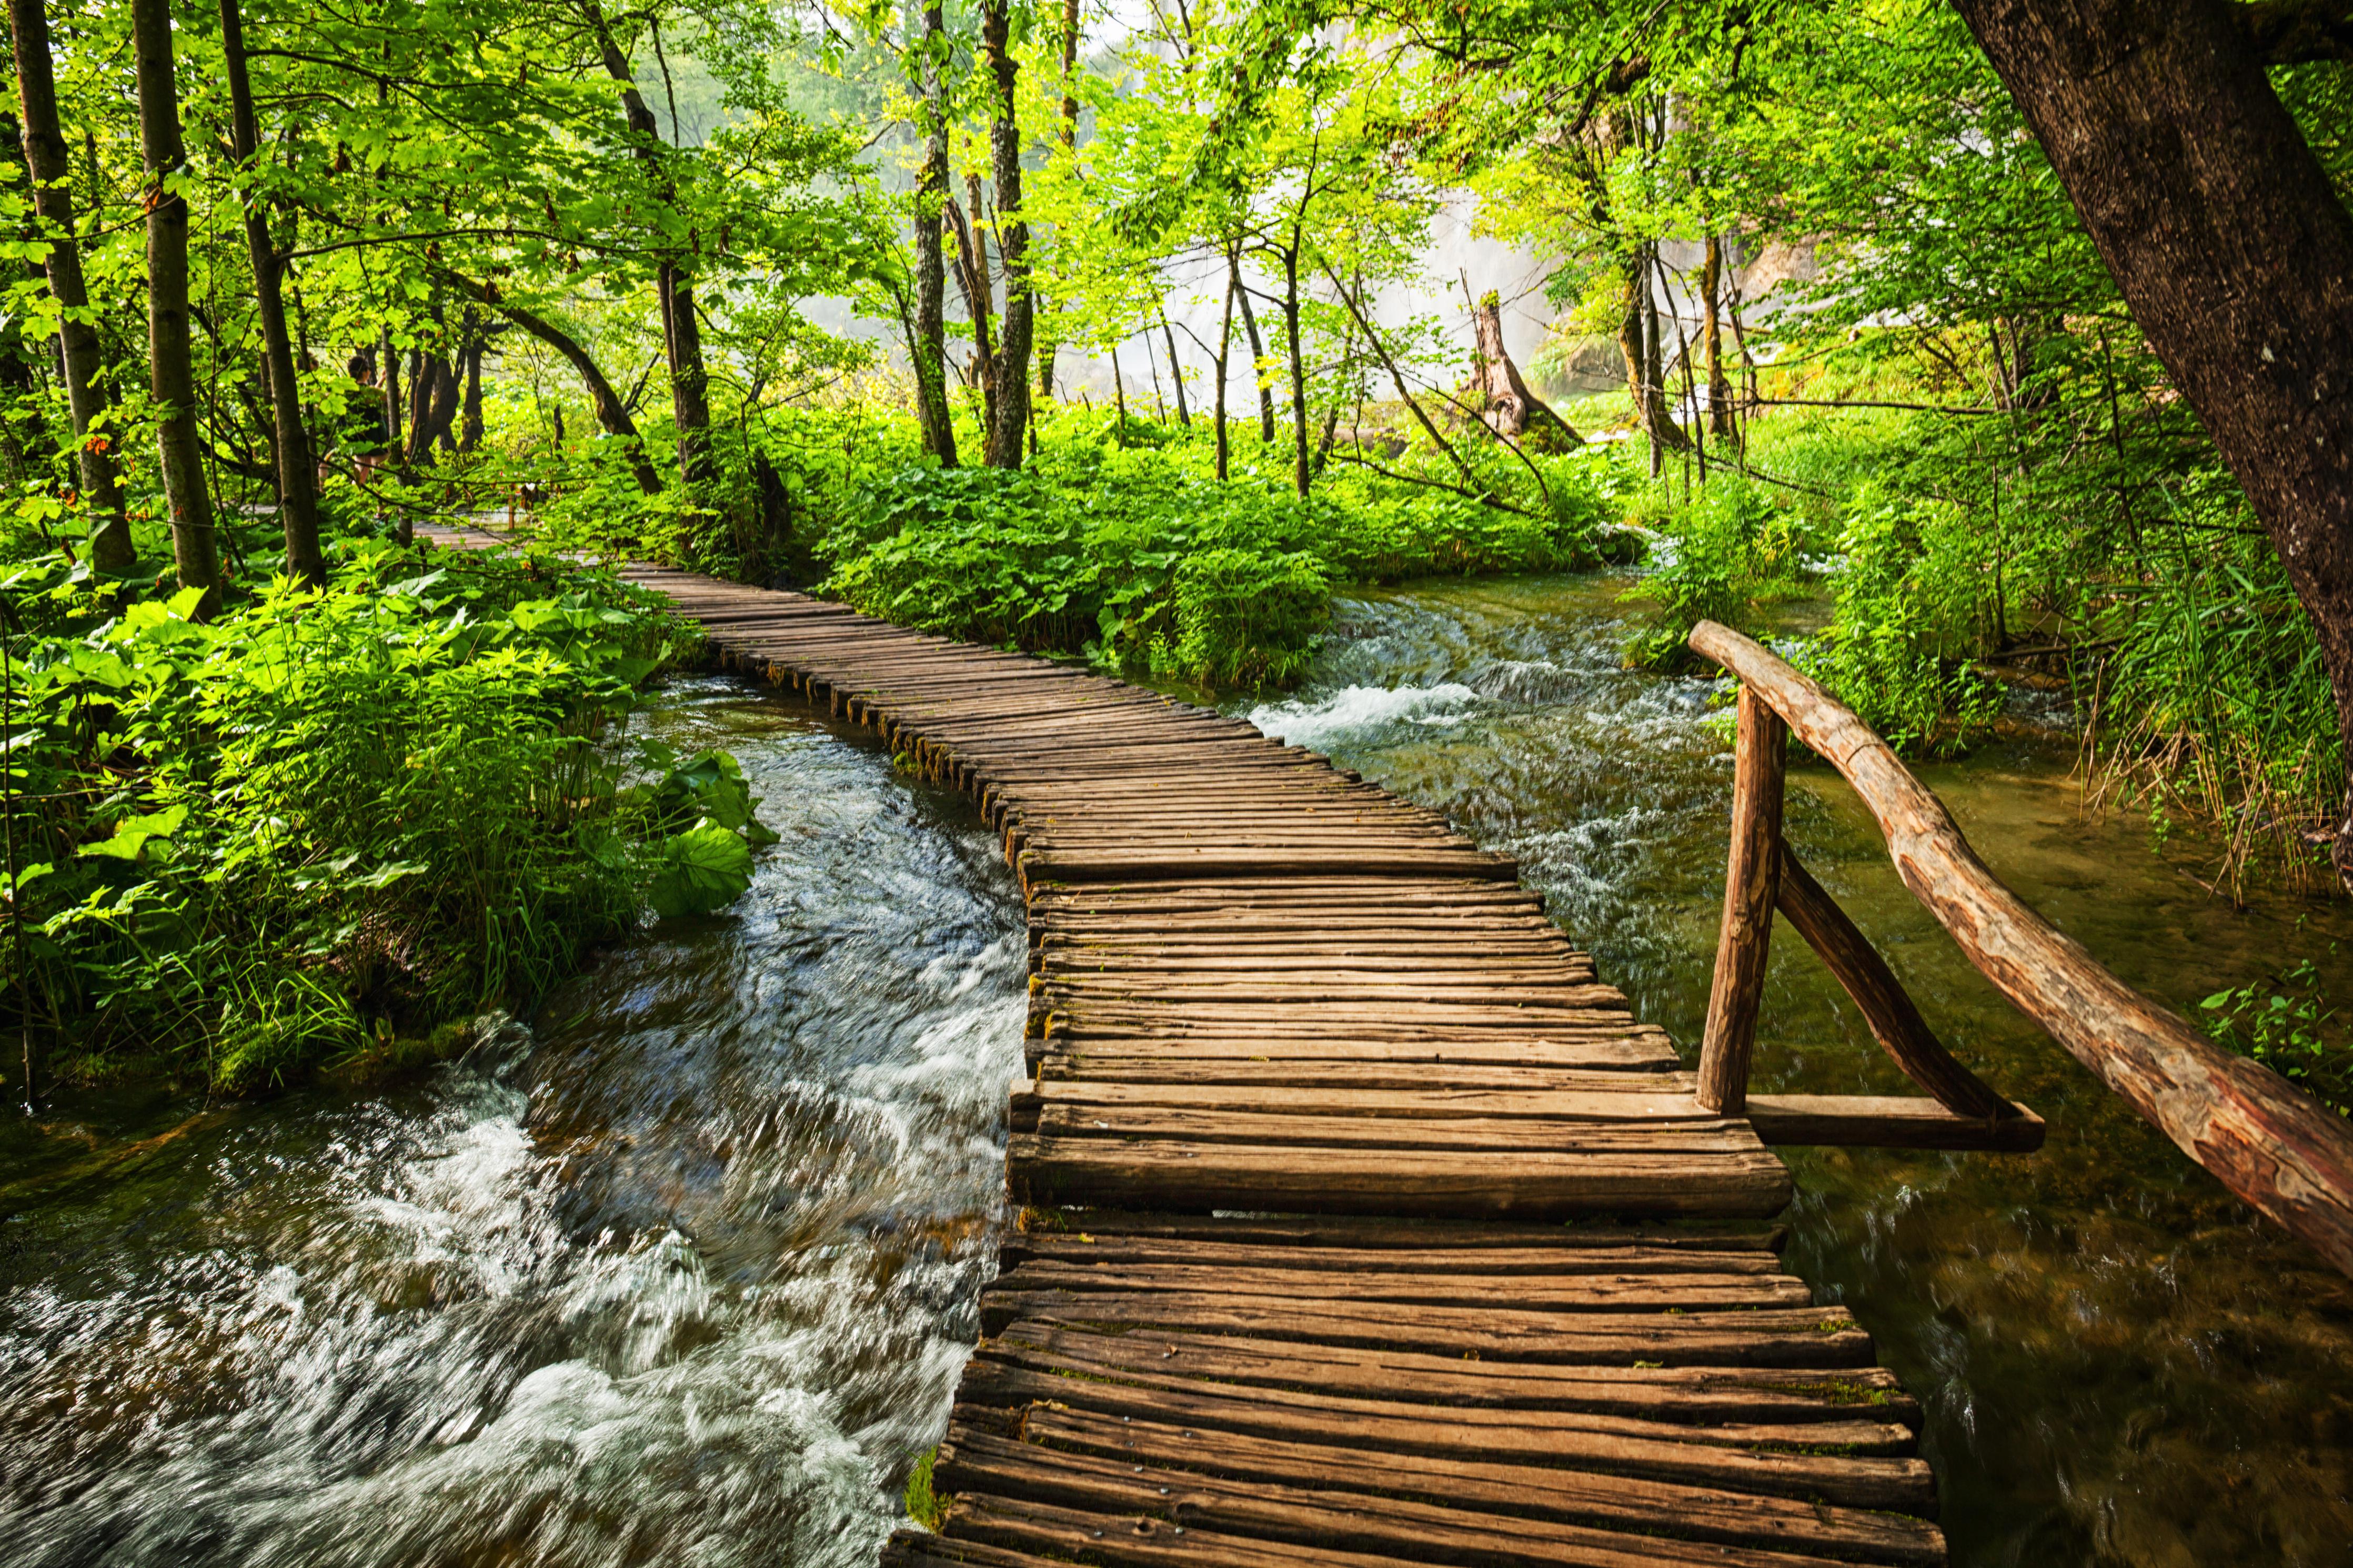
(1008, 411)
(171, 372)
(2234, 251)
(298, 479)
(45, 157)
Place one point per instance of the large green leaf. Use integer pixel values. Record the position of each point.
(702, 870)
(131, 834)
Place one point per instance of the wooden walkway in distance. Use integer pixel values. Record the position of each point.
(1314, 1086)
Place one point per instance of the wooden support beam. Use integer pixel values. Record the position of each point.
(1887, 1122)
(1894, 1022)
(1743, 940)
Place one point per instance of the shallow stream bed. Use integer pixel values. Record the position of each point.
(683, 1272)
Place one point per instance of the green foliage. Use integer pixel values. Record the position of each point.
(923, 1505)
(1134, 556)
(2289, 1022)
(1725, 551)
(1891, 651)
(385, 803)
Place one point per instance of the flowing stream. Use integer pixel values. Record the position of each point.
(684, 1274)
(683, 1270)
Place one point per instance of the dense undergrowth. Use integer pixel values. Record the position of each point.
(1117, 543)
(1959, 558)
(325, 822)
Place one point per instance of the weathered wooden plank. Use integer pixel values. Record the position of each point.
(1581, 1292)
(1773, 1460)
(1697, 1395)
(1695, 1140)
(1334, 1522)
(1514, 1183)
(1694, 1513)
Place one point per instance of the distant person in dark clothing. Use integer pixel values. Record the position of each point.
(362, 434)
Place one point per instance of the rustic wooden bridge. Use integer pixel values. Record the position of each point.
(1282, 1024)
(1361, 1223)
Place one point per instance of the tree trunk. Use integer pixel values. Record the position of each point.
(682, 328)
(171, 372)
(45, 156)
(1301, 475)
(473, 338)
(1225, 346)
(929, 352)
(1512, 411)
(1176, 371)
(2221, 228)
(1009, 419)
(611, 412)
(979, 301)
(1257, 353)
(1070, 42)
(1638, 341)
(298, 474)
(1721, 422)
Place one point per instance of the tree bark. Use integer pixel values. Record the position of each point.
(1176, 371)
(1512, 411)
(929, 350)
(2220, 225)
(1302, 474)
(473, 339)
(1069, 43)
(298, 474)
(611, 412)
(1721, 423)
(1257, 353)
(674, 282)
(45, 158)
(1225, 347)
(1638, 341)
(171, 372)
(1009, 418)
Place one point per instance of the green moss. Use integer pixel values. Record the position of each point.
(923, 1505)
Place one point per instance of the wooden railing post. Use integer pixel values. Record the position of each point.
(1751, 884)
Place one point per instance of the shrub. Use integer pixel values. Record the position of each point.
(329, 813)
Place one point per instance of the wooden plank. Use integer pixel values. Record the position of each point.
(1694, 1513)
(1767, 1337)
(1793, 1462)
(1580, 1291)
(1517, 1184)
(1697, 1395)
(1356, 1524)
(1669, 1099)
(1694, 1139)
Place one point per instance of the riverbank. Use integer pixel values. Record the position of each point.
(315, 826)
(682, 1270)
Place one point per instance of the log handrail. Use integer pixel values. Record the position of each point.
(2266, 1141)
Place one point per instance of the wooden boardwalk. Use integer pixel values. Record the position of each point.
(1282, 1022)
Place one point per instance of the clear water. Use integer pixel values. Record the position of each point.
(685, 1275)
(2120, 1363)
